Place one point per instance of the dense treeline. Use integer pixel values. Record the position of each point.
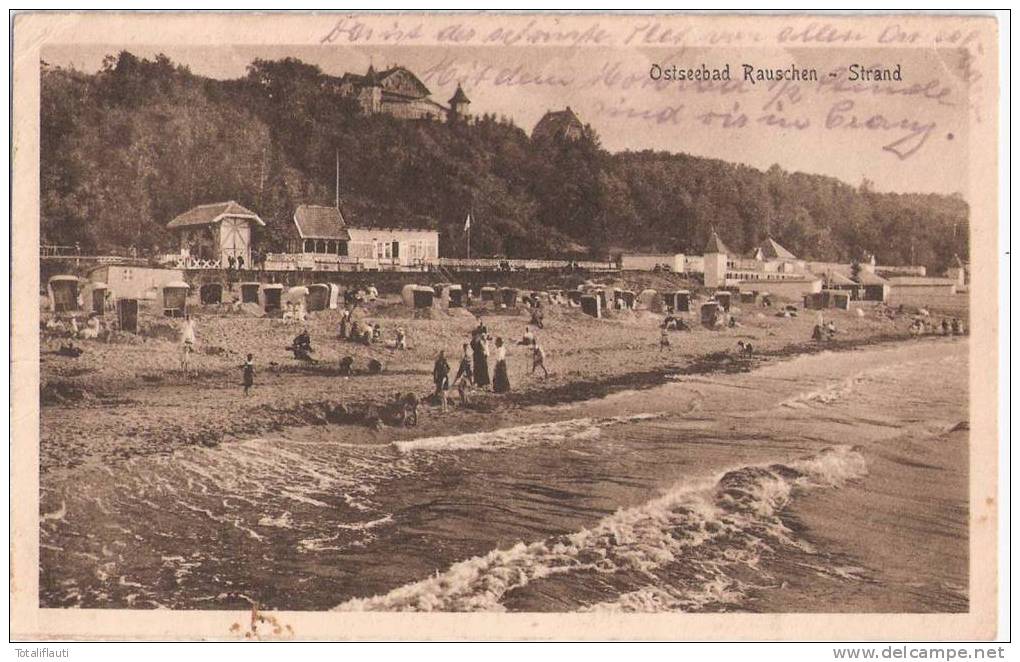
(126, 149)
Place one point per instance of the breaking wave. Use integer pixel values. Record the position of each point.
(521, 435)
(695, 532)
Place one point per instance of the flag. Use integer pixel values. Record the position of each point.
(467, 223)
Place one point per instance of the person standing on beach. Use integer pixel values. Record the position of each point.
(441, 378)
(664, 338)
(481, 357)
(464, 375)
(187, 344)
(500, 376)
(538, 359)
(248, 369)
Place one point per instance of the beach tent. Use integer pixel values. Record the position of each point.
(127, 315)
(710, 313)
(454, 295)
(272, 297)
(724, 299)
(249, 292)
(591, 304)
(608, 298)
(63, 293)
(488, 293)
(210, 293)
(407, 294)
(508, 297)
(648, 299)
(679, 301)
(334, 296)
(748, 297)
(423, 296)
(95, 294)
(574, 297)
(417, 296)
(625, 299)
(318, 297)
(297, 294)
(841, 300)
(175, 298)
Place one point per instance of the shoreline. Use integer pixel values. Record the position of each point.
(353, 417)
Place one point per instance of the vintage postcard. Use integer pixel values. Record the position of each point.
(504, 326)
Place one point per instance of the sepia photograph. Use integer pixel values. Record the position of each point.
(591, 316)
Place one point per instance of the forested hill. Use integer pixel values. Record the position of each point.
(130, 147)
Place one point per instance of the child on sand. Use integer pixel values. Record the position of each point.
(248, 369)
(464, 375)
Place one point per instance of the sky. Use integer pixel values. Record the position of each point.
(904, 136)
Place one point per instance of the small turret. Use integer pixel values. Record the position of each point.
(459, 104)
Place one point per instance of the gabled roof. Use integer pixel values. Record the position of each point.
(868, 278)
(715, 245)
(771, 250)
(212, 213)
(557, 124)
(836, 278)
(390, 80)
(316, 222)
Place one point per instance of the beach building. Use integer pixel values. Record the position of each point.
(321, 239)
(716, 257)
(873, 286)
(209, 235)
(131, 282)
(916, 286)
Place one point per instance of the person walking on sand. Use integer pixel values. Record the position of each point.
(187, 344)
(464, 375)
(441, 378)
(500, 376)
(480, 349)
(248, 370)
(664, 338)
(538, 359)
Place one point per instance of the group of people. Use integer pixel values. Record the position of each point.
(946, 327)
(473, 369)
(823, 330)
(366, 332)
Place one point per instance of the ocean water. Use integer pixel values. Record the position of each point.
(832, 482)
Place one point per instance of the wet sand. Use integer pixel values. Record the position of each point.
(128, 397)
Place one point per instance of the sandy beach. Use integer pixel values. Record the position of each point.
(128, 397)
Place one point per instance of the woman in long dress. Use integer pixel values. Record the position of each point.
(481, 360)
(500, 378)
